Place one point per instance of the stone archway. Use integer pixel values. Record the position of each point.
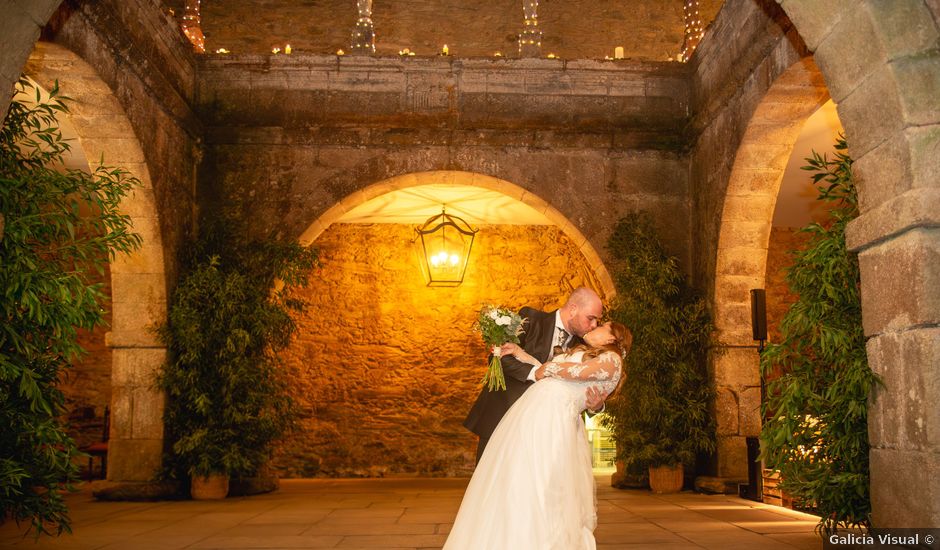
(744, 234)
(477, 180)
(138, 281)
(882, 67)
(412, 364)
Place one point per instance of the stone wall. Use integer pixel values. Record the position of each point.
(291, 137)
(386, 368)
(87, 384)
(646, 29)
(783, 241)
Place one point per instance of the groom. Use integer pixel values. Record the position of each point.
(546, 335)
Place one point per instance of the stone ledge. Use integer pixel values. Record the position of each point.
(718, 485)
(915, 208)
(135, 492)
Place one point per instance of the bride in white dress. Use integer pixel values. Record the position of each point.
(533, 488)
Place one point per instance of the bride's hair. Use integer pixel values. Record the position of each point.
(623, 341)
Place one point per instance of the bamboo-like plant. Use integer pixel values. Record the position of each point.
(229, 315)
(661, 416)
(816, 413)
(60, 227)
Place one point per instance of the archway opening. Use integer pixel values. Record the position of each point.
(385, 368)
(118, 371)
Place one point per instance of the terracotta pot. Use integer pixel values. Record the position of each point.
(666, 479)
(211, 487)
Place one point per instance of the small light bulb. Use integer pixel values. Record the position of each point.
(454, 259)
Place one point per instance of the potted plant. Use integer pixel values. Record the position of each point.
(660, 420)
(226, 398)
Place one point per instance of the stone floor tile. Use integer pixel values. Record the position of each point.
(272, 542)
(406, 514)
(384, 541)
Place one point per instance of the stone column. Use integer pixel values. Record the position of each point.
(138, 287)
(735, 373)
(901, 314)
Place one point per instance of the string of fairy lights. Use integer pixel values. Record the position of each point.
(362, 38)
(693, 29)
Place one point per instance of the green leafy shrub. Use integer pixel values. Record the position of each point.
(230, 314)
(58, 228)
(816, 413)
(661, 416)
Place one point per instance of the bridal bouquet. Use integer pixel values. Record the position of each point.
(497, 326)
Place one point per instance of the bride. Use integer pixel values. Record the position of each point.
(533, 488)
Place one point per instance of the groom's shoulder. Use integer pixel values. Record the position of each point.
(533, 313)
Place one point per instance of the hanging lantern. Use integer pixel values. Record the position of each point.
(444, 244)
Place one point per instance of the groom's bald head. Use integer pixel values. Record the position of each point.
(581, 312)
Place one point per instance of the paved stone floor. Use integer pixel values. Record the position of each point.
(402, 513)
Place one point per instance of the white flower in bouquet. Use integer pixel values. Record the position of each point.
(497, 326)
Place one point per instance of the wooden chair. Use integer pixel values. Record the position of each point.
(100, 448)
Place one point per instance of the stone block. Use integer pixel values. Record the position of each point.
(733, 321)
(136, 367)
(740, 234)
(718, 485)
(39, 11)
(741, 261)
(749, 402)
(904, 488)
(134, 459)
(131, 339)
(148, 413)
(122, 411)
(903, 28)
(872, 112)
(732, 456)
(149, 257)
(735, 367)
(815, 20)
(138, 288)
(736, 289)
(142, 317)
(900, 282)
(904, 413)
(113, 150)
(915, 208)
(752, 180)
(918, 82)
(749, 208)
(727, 413)
(849, 53)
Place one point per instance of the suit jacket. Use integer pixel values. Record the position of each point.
(537, 340)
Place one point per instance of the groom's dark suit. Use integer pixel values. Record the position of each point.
(490, 406)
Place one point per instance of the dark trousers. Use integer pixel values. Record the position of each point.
(480, 446)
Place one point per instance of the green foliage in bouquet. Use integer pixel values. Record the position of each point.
(661, 416)
(230, 314)
(497, 326)
(58, 229)
(816, 427)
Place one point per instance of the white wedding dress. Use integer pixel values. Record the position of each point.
(533, 488)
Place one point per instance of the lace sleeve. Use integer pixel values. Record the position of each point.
(605, 366)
